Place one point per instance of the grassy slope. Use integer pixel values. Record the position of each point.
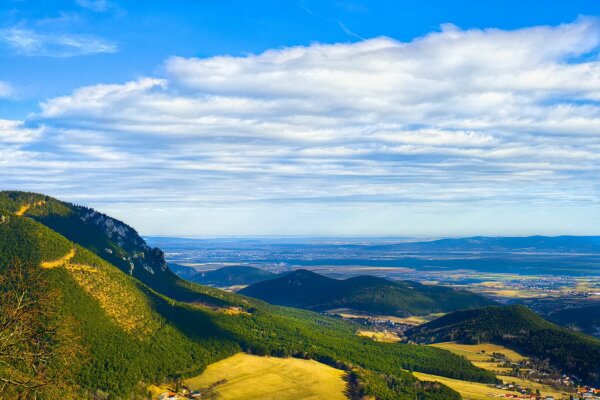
(253, 378)
(306, 289)
(473, 353)
(521, 329)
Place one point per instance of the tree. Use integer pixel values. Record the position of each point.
(37, 346)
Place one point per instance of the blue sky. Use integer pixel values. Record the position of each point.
(205, 118)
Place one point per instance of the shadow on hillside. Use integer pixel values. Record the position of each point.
(192, 322)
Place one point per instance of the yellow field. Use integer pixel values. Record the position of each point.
(389, 337)
(419, 319)
(252, 377)
(412, 320)
(473, 353)
(468, 390)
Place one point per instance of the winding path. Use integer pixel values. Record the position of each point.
(26, 207)
(60, 261)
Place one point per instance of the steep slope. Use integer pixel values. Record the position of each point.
(519, 328)
(132, 333)
(306, 289)
(110, 239)
(230, 276)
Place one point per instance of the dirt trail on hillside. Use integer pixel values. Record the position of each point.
(60, 261)
(26, 207)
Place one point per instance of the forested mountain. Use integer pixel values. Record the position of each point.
(230, 276)
(585, 319)
(88, 328)
(519, 328)
(306, 289)
(182, 271)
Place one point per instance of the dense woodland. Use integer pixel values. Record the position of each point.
(306, 289)
(234, 275)
(586, 319)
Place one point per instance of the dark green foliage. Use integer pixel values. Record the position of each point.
(519, 328)
(586, 319)
(29, 241)
(11, 201)
(182, 271)
(235, 275)
(117, 360)
(306, 289)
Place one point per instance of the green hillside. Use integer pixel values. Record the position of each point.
(306, 289)
(521, 329)
(585, 319)
(230, 276)
(127, 329)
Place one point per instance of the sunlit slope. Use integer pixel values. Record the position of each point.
(29, 241)
(118, 320)
(248, 377)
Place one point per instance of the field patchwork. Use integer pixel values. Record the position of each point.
(480, 356)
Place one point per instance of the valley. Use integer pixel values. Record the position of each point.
(532, 273)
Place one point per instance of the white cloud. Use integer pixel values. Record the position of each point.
(457, 117)
(12, 131)
(28, 42)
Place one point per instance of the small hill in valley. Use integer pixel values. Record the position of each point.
(182, 271)
(234, 275)
(520, 329)
(309, 290)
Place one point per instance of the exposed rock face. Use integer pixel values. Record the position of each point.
(137, 255)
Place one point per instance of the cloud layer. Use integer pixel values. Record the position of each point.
(457, 118)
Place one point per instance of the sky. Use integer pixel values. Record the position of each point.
(283, 118)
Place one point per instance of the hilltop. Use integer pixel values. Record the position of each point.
(309, 290)
(230, 276)
(126, 320)
(521, 329)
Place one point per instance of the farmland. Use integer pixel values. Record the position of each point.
(480, 355)
(245, 376)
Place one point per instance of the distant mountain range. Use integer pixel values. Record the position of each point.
(521, 329)
(309, 290)
(560, 244)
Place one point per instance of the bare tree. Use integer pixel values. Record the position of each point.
(33, 336)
